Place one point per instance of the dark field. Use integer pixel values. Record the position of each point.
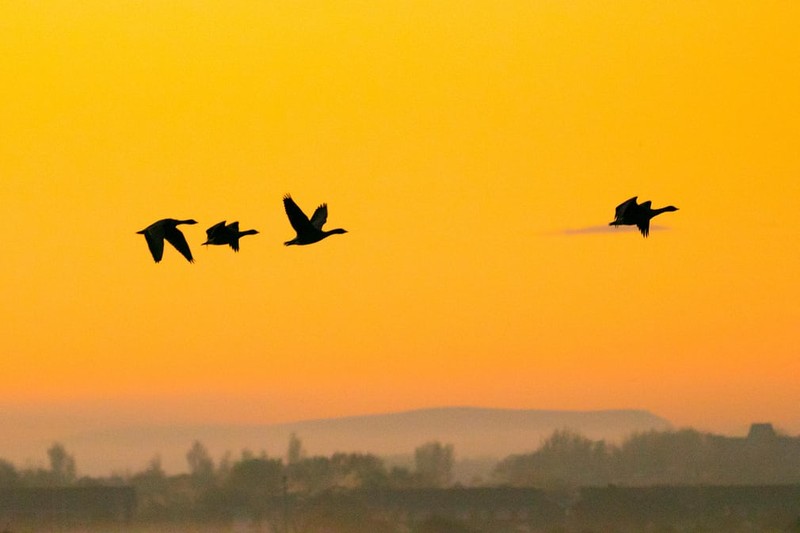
(458, 510)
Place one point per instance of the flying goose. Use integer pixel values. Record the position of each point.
(167, 228)
(308, 231)
(629, 213)
(222, 234)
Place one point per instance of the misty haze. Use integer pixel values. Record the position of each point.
(347, 266)
(574, 471)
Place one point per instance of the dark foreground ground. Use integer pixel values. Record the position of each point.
(768, 508)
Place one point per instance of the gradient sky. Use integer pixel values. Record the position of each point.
(475, 151)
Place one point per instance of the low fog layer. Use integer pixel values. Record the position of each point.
(475, 432)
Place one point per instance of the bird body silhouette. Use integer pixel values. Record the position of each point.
(629, 213)
(308, 230)
(221, 234)
(167, 228)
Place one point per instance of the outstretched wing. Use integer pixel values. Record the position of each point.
(320, 216)
(233, 235)
(625, 208)
(643, 220)
(156, 245)
(297, 218)
(210, 232)
(176, 239)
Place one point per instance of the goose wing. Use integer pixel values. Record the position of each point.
(297, 218)
(625, 208)
(643, 217)
(155, 243)
(233, 235)
(176, 239)
(210, 232)
(320, 216)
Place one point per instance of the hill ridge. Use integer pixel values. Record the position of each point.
(473, 431)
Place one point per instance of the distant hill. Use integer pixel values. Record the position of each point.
(475, 432)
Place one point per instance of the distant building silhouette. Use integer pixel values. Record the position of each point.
(761, 432)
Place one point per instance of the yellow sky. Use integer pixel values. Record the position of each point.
(466, 146)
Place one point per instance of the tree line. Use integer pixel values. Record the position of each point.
(246, 484)
(568, 459)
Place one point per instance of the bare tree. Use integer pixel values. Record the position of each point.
(9, 476)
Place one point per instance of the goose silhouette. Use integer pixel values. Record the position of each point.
(222, 234)
(308, 231)
(629, 213)
(167, 228)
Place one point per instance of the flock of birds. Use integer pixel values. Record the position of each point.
(309, 230)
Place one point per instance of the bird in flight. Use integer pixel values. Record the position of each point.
(229, 234)
(308, 231)
(167, 228)
(629, 213)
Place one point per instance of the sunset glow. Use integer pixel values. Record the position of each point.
(474, 151)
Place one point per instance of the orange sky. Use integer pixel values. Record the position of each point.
(463, 145)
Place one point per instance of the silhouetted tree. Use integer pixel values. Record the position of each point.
(247, 454)
(152, 490)
(358, 470)
(565, 459)
(665, 457)
(224, 466)
(401, 477)
(311, 475)
(261, 473)
(9, 477)
(434, 464)
(201, 465)
(62, 465)
(684, 456)
(251, 482)
(343, 470)
(295, 451)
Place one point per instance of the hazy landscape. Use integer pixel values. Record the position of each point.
(517, 266)
(476, 433)
(614, 471)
